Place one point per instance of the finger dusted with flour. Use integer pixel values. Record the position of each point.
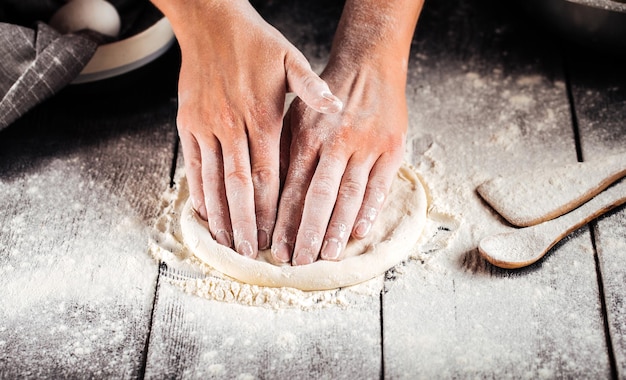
(309, 87)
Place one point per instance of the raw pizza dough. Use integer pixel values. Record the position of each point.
(393, 236)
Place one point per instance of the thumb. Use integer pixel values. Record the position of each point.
(309, 86)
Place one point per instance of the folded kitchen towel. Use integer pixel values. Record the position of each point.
(35, 64)
(36, 61)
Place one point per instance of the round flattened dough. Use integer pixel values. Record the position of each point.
(395, 232)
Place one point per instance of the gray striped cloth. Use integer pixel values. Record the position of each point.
(35, 60)
(37, 63)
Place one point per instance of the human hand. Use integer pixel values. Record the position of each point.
(235, 72)
(340, 166)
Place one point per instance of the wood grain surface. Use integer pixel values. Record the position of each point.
(457, 316)
(599, 98)
(489, 92)
(80, 180)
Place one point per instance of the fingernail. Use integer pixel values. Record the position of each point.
(362, 228)
(223, 238)
(282, 252)
(329, 96)
(331, 249)
(334, 103)
(245, 249)
(303, 257)
(263, 239)
(200, 208)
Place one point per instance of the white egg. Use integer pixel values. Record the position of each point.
(97, 15)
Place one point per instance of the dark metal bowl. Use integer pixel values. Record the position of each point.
(599, 24)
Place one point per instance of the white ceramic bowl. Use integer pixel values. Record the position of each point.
(125, 55)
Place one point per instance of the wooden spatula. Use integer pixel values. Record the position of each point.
(534, 197)
(522, 247)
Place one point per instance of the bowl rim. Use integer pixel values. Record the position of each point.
(607, 5)
(125, 55)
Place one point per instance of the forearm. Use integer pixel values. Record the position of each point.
(209, 24)
(177, 11)
(376, 32)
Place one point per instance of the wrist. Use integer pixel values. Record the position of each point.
(186, 16)
(376, 34)
(386, 69)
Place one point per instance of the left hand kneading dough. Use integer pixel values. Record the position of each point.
(394, 234)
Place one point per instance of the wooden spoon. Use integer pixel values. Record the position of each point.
(522, 247)
(530, 198)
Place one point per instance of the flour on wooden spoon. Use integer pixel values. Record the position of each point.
(526, 199)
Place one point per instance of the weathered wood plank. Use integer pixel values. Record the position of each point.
(488, 97)
(193, 337)
(80, 177)
(599, 94)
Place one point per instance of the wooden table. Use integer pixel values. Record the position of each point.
(82, 174)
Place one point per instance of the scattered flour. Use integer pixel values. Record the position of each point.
(474, 318)
(67, 297)
(181, 268)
